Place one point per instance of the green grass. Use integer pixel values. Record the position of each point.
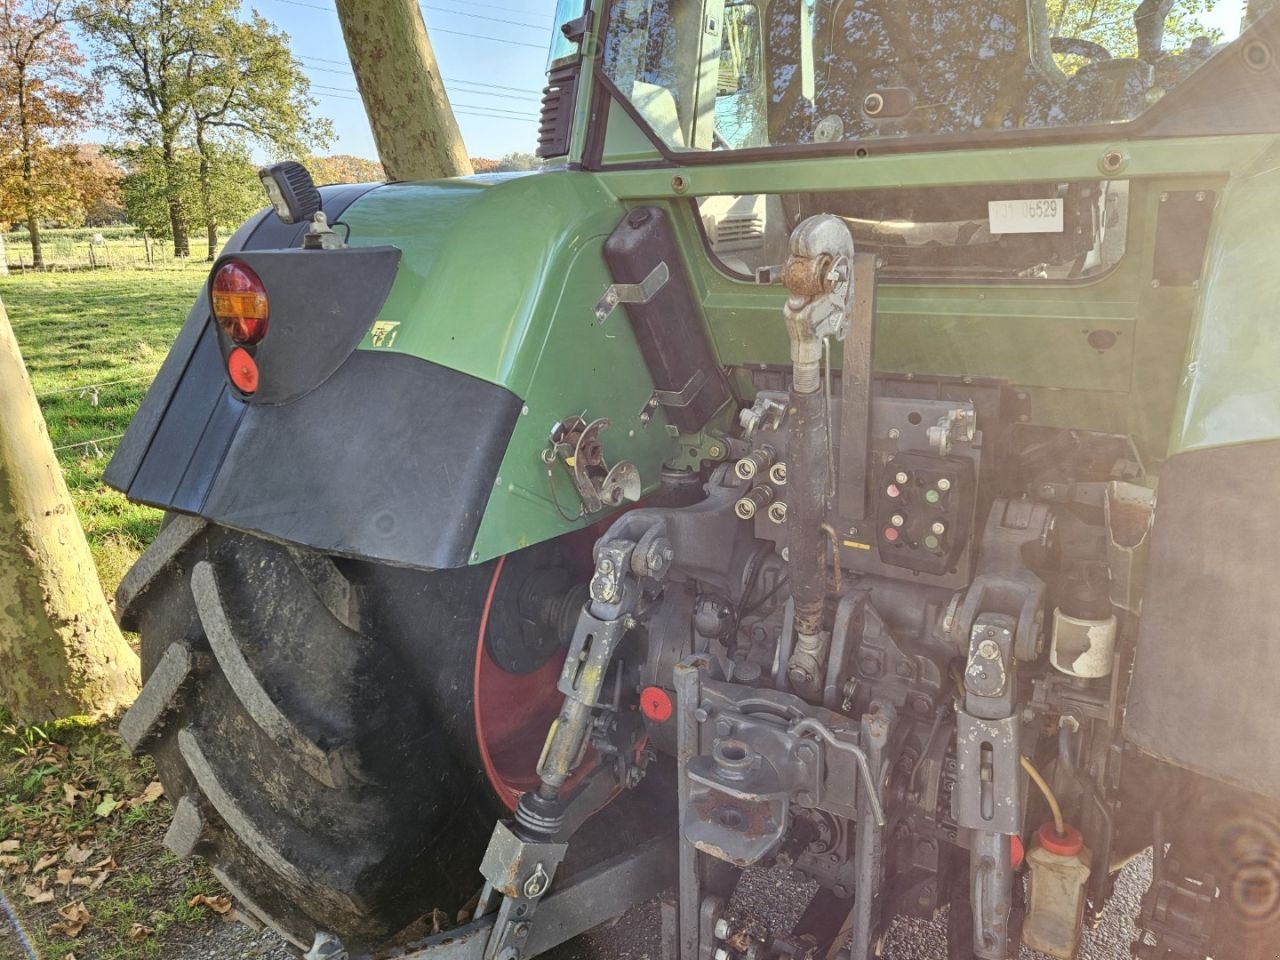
(81, 329)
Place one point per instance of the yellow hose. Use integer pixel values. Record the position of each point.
(1059, 824)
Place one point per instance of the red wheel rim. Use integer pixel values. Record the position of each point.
(513, 713)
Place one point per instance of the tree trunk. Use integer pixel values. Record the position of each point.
(37, 245)
(27, 148)
(404, 95)
(60, 651)
(206, 194)
(177, 214)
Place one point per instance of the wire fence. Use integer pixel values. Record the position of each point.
(97, 447)
(114, 248)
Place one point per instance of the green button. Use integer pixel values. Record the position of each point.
(933, 496)
(931, 542)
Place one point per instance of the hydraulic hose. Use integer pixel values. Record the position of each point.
(1059, 824)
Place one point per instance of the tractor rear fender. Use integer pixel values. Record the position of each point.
(409, 383)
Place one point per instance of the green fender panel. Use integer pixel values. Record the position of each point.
(499, 279)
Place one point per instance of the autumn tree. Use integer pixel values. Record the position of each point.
(47, 100)
(345, 168)
(98, 186)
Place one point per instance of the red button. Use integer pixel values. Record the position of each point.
(1017, 853)
(656, 704)
(893, 490)
(891, 534)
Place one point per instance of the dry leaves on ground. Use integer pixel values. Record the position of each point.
(220, 904)
(74, 919)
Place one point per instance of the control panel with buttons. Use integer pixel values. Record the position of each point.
(924, 511)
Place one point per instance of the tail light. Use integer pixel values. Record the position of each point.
(240, 303)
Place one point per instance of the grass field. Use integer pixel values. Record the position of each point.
(92, 343)
(79, 819)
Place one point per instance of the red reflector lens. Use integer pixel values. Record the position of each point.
(242, 370)
(656, 704)
(240, 303)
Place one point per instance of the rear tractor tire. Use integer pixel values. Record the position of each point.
(314, 724)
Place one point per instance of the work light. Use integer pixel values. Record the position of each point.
(291, 191)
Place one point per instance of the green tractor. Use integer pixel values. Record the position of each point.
(856, 450)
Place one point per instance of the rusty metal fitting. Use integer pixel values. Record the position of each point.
(808, 276)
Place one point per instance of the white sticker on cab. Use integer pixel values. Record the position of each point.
(1040, 215)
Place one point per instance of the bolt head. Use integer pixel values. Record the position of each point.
(944, 484)
(894, 433)
(939, 528)
(901, 476)
(722, 929)
(722, 954)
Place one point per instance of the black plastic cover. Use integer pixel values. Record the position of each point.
(322, 303)
(366, 454)
(669, 328)
(1182, 234)
(1204, 683)
(559, 100)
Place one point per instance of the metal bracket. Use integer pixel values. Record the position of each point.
(576, 444)
(674, 398)
(641, 292)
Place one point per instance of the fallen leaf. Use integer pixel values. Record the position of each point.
(75, 918)
(106, 863)
(69, 956)
(107, 806)
(9, 846)
(8, 860)
(99, 880)
(72, 794)
(139, 932)
(65, 876)
(218, 904)
(154, 791)
(45, 862)
(77, 854)
(37, 893)
(82, 882)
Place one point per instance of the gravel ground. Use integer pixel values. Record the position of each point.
(767, 894)
(773, 897)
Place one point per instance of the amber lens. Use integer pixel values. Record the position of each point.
(240, 303)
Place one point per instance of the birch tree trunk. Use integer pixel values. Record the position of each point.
(404, 96)
(60, 651)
